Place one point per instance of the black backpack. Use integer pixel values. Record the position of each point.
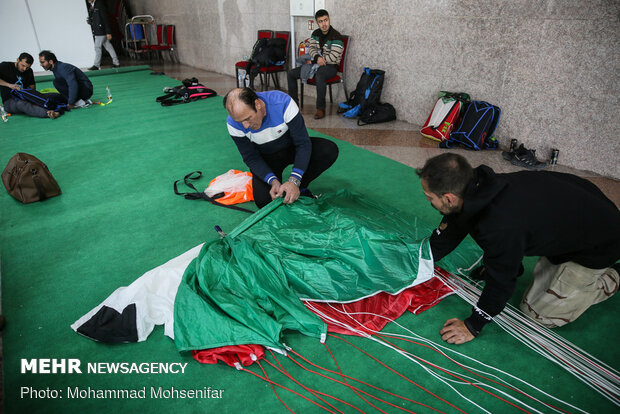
(476, 128)
(191, 90)
(266, 52)
(50, 101)
(382, 112)
(367, 93)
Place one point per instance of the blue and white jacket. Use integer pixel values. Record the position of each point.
(282, 127)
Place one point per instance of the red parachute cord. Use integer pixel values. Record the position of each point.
(349, 385)
(365, 383)
(274, 390)
(469, 370)
(265, 378)
(434, 366)
(310, 390)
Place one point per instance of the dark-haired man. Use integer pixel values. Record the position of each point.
(69, 80)
(564, 219)
(326, 46)
(271, 134)
(18, 75)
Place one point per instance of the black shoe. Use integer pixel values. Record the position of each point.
(116, 66)
(93, 68)
(479, 273)
(524, 157)
(508, 155)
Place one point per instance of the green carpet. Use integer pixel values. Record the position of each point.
(118, 218)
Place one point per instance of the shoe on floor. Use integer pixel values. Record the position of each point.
(116, 66)
(93, 68)
(320, 113)
(508, 155)
(79, 103)
(526, 158)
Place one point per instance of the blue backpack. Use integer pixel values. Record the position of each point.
(476, 128)
(49, 101)
(366, 94)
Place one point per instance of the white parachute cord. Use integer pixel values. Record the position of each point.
(366, 335)
(439, 348)
(548, 344)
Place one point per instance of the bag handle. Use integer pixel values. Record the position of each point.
(197, 195)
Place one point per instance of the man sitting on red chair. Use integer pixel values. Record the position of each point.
(326, 46)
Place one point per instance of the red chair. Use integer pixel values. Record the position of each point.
(274, 70)
(165, 41)
(262, 34)
(338, 78)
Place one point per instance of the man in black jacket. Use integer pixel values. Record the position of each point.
(102, 32)
(564, 219)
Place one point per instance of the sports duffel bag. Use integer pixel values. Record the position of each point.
(28, 179)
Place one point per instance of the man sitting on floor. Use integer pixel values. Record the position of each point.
(18, 75)
(70, 81)
(564, 219)
(271, 134)
(325, 48)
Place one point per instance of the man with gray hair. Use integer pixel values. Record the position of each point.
(562, 218)
(271, 134)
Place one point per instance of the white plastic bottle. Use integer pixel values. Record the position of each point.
(3, 114)
(107, 89)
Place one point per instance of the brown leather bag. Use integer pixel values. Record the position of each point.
(28, 179)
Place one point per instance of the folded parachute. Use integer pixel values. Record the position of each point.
(245, 288)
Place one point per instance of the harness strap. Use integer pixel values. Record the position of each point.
(197, 195)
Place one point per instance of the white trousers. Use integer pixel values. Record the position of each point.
(103, 41)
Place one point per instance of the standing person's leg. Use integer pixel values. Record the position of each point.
(110, 48)
(98, 44)
(277, 162)
(324, 154)
(292, 76)
(17, 106)
(322, 74)
(559, 294)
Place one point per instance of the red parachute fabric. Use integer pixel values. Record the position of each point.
(230, 355)
(377, 311)
(415, 299)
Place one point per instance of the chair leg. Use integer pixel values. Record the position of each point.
(331, 100)
(301, 96)
(237, 73)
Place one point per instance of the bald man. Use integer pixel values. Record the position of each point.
(271, 134)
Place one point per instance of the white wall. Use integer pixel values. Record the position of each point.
(34, 25)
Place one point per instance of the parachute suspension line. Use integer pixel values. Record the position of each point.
(466, 380)
(355, 379)
(347, 382)
(367, 335)
(436, 348)
(588, 369)
(272, 383)
(314, 392)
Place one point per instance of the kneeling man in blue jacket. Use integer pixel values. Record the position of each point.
(69, 80)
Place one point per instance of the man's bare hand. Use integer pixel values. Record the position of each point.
(289, 191)
(275, 187)
(454, 331)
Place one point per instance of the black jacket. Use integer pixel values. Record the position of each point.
(529, 213)
(98, 18)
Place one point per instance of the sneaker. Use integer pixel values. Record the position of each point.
(116, 66)
(526, 158)
(79, 103)
(93, 68)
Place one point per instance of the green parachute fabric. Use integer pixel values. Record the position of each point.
(245, 288)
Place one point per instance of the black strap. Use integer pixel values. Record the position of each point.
(200, 195)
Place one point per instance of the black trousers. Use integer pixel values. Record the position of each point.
(324, 154)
